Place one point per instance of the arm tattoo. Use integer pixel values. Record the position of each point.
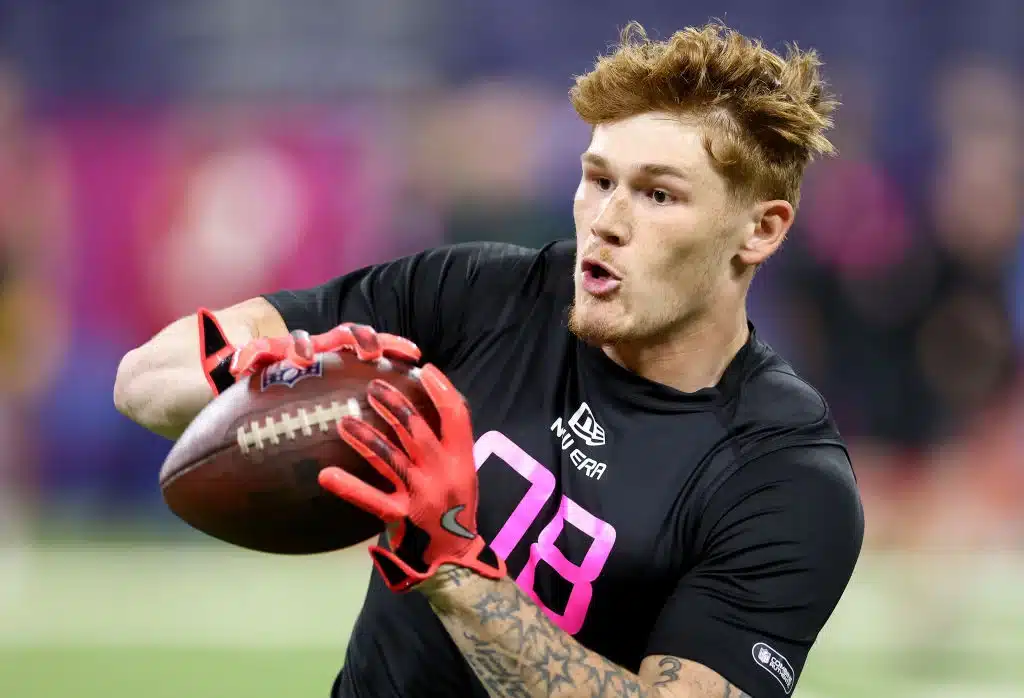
(670, 667)
(733, 692)
(453, 576)
(517, 652)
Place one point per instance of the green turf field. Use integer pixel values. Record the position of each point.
(95, 672)
(126, 620)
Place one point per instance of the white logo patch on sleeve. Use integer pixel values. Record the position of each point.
(775, 664)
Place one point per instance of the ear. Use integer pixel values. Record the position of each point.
(771, 221)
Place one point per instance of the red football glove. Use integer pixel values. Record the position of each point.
(431, 516)
(224, 364)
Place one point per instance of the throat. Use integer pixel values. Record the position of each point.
(688, 363)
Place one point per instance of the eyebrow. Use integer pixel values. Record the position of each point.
(649, 169)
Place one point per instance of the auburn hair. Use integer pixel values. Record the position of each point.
(764, 116)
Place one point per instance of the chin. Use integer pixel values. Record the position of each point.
(597, 322)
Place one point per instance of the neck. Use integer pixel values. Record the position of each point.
(692, 357)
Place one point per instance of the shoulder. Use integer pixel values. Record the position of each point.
(503, 258)
(498, 279)
(784, 442)
(482, 273)
(493, 288)
(782, 494)
(821, 471)
(776, 393)
(776, 408)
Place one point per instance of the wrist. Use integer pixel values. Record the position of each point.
(447, 583)
(215, 352)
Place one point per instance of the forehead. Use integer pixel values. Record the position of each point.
(652, 138)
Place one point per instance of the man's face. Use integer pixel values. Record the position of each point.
(656, 229)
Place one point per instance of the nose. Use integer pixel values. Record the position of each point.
(612, 222)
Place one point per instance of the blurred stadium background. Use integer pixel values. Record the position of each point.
(155, 156)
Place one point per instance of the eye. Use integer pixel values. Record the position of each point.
(603, 183)
(661, 197)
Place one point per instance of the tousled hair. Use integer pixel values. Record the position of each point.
(764, 115)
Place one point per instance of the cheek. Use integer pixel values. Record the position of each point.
(582, 216)
(667, 266)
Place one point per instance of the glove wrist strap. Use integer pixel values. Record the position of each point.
(218, 373)
(400, 577)
(216, 352)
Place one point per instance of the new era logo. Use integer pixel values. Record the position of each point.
(586, 427)
(775, 664)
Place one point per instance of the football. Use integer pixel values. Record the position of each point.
(245, 470)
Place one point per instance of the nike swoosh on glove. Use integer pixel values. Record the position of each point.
(224, 364)
(431, 515)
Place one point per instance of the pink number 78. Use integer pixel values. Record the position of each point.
(542, 486)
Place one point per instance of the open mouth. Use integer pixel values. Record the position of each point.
(599, 280)
(597, 270)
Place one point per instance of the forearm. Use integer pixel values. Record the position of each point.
(161, 385)
(515, 649)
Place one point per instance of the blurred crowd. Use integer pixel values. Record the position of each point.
(155, 157)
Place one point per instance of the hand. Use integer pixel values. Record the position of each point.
(225, 364)
(431, 515)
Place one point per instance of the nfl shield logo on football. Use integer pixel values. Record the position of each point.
(288, 374)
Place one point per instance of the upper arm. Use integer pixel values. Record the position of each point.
(429, 298)
(779, 540)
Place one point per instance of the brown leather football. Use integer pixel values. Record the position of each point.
(245, 470)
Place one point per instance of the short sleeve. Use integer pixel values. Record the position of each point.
(778, 542)
(430, 297)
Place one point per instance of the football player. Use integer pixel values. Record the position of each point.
(648, 500)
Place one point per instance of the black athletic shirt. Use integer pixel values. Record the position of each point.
(719, 526)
